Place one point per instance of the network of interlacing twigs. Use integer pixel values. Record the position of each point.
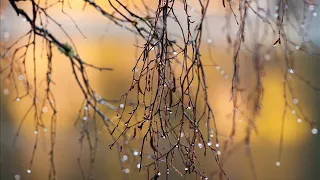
(169, 84)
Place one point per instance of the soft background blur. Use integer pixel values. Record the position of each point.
(110, 46)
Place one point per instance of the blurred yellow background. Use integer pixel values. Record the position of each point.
(110, 46)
